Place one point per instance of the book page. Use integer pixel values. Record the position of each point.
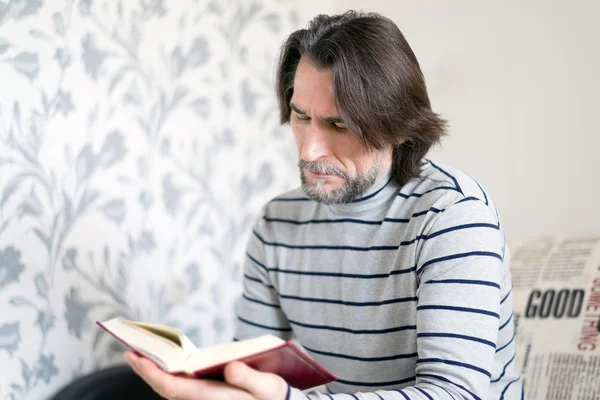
(222, 353)
(170, 333)
(164, 351)
(165, 331)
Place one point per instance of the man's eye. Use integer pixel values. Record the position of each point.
(302, 117)
(340, 127)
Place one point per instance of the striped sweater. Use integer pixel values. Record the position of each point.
(403, 294)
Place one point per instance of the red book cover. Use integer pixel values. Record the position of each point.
(287, 360)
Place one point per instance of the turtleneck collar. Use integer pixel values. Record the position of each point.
(380, 194)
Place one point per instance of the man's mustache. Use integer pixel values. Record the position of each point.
(322, 168)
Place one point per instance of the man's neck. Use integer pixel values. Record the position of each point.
(382, 192)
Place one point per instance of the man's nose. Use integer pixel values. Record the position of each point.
(316, 144)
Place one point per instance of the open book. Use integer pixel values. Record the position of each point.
(171, 350)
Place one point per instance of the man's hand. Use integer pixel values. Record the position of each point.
(241, 383)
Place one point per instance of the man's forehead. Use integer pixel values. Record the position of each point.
(313, 89)
(310, 78)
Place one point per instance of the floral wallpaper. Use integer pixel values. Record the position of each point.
(138, 140)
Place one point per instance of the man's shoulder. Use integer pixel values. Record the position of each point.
(441, 186)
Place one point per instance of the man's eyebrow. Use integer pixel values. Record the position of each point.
(332, 120)
(296, 109)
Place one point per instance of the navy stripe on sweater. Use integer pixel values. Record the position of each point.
(418, 214)
(253, 279)
(424, 393)
(441, 387)
(506, 297)
(459, 309)
(457, 256)
(351, 303)
(465, 282)
(444, 379)
(369, 248)
(260, 302)
(372, 194)
(402, 393)
(418, 195)
(461, 227)
(352, 220)
(484, 194)
(322, 247)
(506, 323)
(290, 199)
(271, 328)
(376, 384)
(456, 336)
(447, 174)
(332, 274)
(355, 331)
(507, 344)
(366, 359)
(324, 221)
(507, 386)
(470, 198)
(504, 369)
(456, 363)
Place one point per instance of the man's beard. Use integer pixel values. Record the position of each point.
(352, 188)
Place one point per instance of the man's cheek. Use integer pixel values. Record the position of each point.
(298, 136)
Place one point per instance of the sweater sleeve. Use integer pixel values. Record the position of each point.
(259, 311)
(459, 270)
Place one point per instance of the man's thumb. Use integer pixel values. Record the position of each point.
(262, 385)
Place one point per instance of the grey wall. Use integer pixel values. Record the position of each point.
(518, 82)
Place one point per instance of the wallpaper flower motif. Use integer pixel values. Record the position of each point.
(137, 142)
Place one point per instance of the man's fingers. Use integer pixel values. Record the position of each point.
(181, 388)
(160, 381)
(153, 376)
(262, 385)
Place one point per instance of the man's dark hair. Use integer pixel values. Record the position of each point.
(379, 88)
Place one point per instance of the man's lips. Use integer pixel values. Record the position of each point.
(321, 176)
(317, 175)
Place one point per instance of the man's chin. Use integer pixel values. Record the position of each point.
(325, 193)
(327, 185)
(325, 190)
(324, 186)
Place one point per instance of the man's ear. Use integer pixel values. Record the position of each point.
(400, 141)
